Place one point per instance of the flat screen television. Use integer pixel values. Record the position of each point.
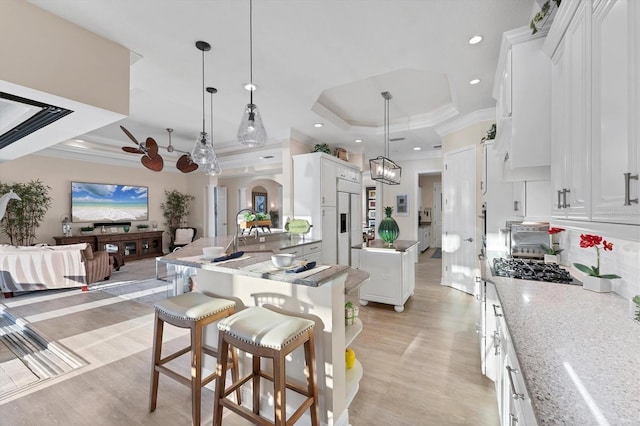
(98, 202)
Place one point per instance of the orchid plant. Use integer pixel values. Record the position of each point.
(551, 248)
(588, 241)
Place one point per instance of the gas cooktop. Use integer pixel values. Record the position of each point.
(535, 270)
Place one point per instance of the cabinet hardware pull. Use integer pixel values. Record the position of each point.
(627, 192)
(565, 191)
(514, 394)
(495, 312)
(496, 343)
(513, 420)
(515, 206)
(469, 239)
(559, 198)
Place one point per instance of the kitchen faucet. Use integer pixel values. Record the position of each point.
(234, 242)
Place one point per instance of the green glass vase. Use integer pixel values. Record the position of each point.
(388, 229)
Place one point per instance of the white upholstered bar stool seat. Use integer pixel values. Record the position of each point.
(193, 311)
(265, 333)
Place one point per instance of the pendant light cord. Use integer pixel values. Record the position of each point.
(203, 131)
(386, 127)
(211, 117)
(251, 49)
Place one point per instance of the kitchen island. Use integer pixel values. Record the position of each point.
(578, 352)
(317, 294)
(392, 271)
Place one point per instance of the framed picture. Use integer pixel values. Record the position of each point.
(372, 223)
(372, 204)
(260, 202)
(371, 194)
(372, 214)
(402, 205)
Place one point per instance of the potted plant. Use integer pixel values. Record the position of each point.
(87, 230)
(594, 280)
(23, 216)
(142, 227)
(553, 250)
(175, 209)
(541, 18)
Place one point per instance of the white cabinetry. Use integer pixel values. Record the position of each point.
(315, 196)
(521, 89)
(392, 274)
(311, 252)
(424, 237)
(571, 86)
(616, 111)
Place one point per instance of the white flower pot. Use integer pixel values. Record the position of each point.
(551, 258)
(597, 284)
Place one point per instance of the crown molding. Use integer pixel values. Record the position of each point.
(465, 121)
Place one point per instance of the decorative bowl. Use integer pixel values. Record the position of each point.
(212, 252)
(282, 260)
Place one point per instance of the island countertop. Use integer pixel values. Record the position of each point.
(260, 253)
(398, 245)
(578, 351)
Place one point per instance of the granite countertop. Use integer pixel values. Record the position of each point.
(579, 351)
(398, 245)
(191, 256)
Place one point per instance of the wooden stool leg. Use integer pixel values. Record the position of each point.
(156, 353)
(223, 360)
(196, 373)
(256, 384)
(235, 373)
(310, 358)
(279, 390)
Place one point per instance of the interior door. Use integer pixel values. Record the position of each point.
(344, 228)
(459, 223)
(436, 215)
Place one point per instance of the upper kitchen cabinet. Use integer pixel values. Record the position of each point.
(570, 118)
(522, 92)
(616, 112)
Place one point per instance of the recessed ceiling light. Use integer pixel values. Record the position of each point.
(417, 148)
(250, 87)
(474, 81)
(318, 124)
(358, 141)
(475, 39)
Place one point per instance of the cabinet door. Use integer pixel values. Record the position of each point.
(328, 182)
(577, 80)
(519, 200)
(329, 235)
(616, 94)
(559, 104)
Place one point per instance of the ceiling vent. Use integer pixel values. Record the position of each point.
(19, 117)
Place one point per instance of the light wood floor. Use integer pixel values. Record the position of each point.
(421, 366)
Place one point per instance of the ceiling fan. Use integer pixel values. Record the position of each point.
(152, 160)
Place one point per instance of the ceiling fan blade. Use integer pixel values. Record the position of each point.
(152, 163)
(131, 149)
(185, 165)
(152, 147)
(133, 138)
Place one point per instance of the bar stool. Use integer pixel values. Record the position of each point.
(265, 333)
(193, 311)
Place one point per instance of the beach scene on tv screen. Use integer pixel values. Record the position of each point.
(92, 202)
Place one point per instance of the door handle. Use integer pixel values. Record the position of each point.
(469, 239)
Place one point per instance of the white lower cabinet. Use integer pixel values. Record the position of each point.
(310, 252)
(501, 364)
(392, 276)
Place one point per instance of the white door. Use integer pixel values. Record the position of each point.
(436, 215)
(221, 210)
(459, 223)
(344, 228)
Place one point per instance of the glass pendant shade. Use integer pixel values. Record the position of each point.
(213, 167)
(385, 170)
(202, 152)
(251, 131)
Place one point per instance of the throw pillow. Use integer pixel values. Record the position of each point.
(88, 252)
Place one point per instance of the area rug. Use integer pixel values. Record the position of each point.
(28, 357)
(437, 254)
(147, 291)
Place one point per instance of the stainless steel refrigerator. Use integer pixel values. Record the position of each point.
(349, 223)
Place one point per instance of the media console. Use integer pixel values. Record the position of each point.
(131, 245)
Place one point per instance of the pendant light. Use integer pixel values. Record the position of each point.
(382, 168)
(213, 167)
(202, 152)
(251, 131)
